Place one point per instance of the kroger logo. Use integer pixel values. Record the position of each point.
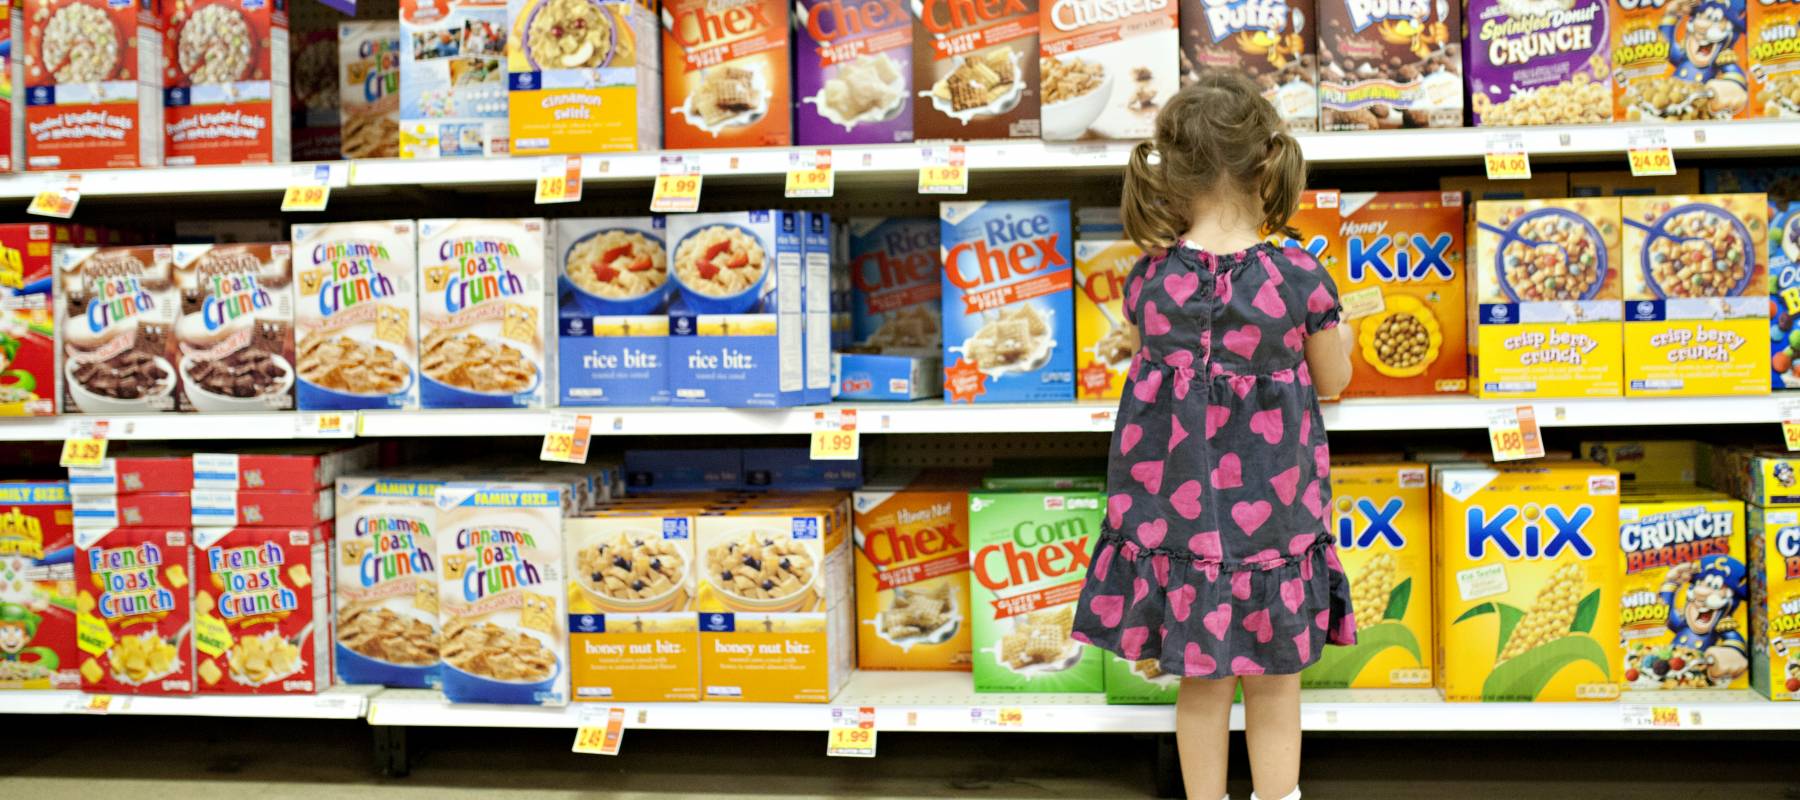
(1645, 308)
(1499, 313)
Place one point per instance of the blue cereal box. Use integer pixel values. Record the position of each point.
(1782, 184)
(356, 315)
(816, 244)
(736, 319)
(613, 291)
(896, 299)
(1008, 301)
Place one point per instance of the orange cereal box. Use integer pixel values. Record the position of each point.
(1774, 58)
(725, 74)
(1104, 340)
(93, 87)
(1679, 60)
(262, 602)
(975, 67)
(132, 610)
(633, 635)
(1107, 67)
(912, 573)
(225, 82)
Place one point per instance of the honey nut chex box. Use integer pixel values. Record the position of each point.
(912, 572)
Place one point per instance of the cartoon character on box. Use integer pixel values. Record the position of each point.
(1703, 53)
(1707, 647)
(17, 627)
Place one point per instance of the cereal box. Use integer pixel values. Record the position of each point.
(1390, 65)
(1104, 340)
(1782, 184)
(232, 507)
(261, 605)
(313, 95)
(93, 84)
(286, 467)
(777, 621)
(1621, 183)
(12, 111)
(853, 72)
(134, 510)
(1547, 299)
(1679, 60)
(1397, 258)
(1106, 68)
(1696, 294)
(1527, 583)
(1681, 605)
(584, 76)
(1774, 553)
(132, 610)
(613, 325)
(385, 581)
(895, 310)
(1381, 513)
(1545, 64)
(356, 315)
(1475, 188)
(452, 78)
(1774, 49)
(817, 252)
(1008, 305)
(736, 320)
(725, 74)
(975, 69)
(1029, 552)
(28, 354)
(368, 66)
(117, 308)
(1272, 41)
(37, 609)
(225, 82)
(482, 314)
(633, 634)
(236, 332)
(500, 593)
(912, 573)
(1140, 682)
(1647, 461)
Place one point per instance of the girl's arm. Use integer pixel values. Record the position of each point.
(1328, 358)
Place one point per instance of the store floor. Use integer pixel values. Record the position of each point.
(153, 759)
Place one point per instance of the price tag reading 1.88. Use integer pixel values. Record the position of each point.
(1514, 435)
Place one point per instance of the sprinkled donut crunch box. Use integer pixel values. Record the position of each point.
(1539, 64)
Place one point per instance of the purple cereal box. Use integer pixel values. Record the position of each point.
(852, 72)
(1539, 62)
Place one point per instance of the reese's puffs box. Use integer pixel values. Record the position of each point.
(258, 610)
(725, 74)
(37, 575)
(133, 604)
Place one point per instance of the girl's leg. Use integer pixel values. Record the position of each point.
(1272, 733)
(1203, 734)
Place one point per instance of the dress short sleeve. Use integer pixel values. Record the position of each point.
(1136, 278)
(1322, 306)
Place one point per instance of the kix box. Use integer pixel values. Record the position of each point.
(1105, 340)
(1696, 294)
(633, 636)
(1381, 515)
(1681, 606)
(37, 600)
(132, 610)
(1028, 555)
(1774, 551)
(1527, 582)
(1545, 292)
(912, 572)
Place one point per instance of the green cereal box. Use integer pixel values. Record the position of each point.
(1029, 554)
(1139, 682)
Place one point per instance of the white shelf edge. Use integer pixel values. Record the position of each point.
(338, 702)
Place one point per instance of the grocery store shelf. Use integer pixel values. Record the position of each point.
(341, 702)
(173, 181)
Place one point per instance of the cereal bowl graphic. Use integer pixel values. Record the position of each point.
(1549, 255)
(276, 382)
(569, 34)
(918, 615)
(1787, 227)
(761, 571)
(138, 659)
(462, 370)
(387, 646)
(344, 373)
(721, 269)
(728, 97)
(636, 571)
(616, 272)
(1696, 250)
(266, 658)
(871, 88)
(80, 44)
(1403, 340)
(128, 383)
(1039, 643)
(1018, 339)
(215, 45)
(980, 85)
(499, 661)
(1075, 92)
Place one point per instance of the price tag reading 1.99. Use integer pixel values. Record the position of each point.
(810, 174)
(944, 170)
(834, 436)
(677, 188)
(852, 732)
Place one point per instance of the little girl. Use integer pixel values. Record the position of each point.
(1216, 560)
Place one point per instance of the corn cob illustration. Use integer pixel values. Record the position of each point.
(1551, 614)
(1371, 589)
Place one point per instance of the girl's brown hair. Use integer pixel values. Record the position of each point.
(1217, 133)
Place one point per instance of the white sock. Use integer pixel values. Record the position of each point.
(1293, 795)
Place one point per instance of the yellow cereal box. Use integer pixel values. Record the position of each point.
(1647, 461)
(1681, 606)
(1546, 299)
(912, 573)
(583, 77)
(1382, 519)
(1696, 294)
(1527, 582)
(633, 636)
(1774, 558)
(1104, 340)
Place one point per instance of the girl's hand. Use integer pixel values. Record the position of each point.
(1328, 358)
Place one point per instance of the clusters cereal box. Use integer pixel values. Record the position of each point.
(633, 633)
(1008, 305)
(1527, 583)
(116, 316)
(482, 313)
(262, 602)
(385, 581)
(975, 69)
(1546, 289)
(1774, 50)
(725, 74)
(37, 609)
(912, 573)
(1028, 553)
(501, 597)
(1106, 68)
(853, 72)
(1272, 41)
(368, 63)
(1782, 185)
(356, 315)
(1647, 462)
(225, 82)
(93, 90)
(1774, 562)
(452, 78)
(236, 331)
(1397, 258)
(1381, 516)
(1386, 65)
(1684, 593)
(736, 320)
(1539, 64)
(1679, 60)
(613, 325)
(133, 601)
(583, 76)
(28, 358)
(1104, 340)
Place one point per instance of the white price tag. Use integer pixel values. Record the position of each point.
(325, 425)
(852, 732)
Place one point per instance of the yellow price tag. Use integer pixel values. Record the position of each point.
(1788, 412)
(210, 635)
(852, 732)
(97, 703)
(944, 170)
(1514, 434)
(810, 174)
(560, 181)
(1012, 718)
(58, 203)
(1651, 161)
(1508, 166)
(834, 436)
(677, 188)
(83, 452)
(325, 425)
(306, 197)
(601, 740)
(567, 439)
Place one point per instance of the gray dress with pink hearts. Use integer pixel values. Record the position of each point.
(1216, 557)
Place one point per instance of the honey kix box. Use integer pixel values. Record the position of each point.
(912, 572)
(1546, 297)
(385, 581)
(1774, 562)
(225, 82)
(1685, 589)
(583, 76)
(1008, 305)
(725, 74)
(37, 604)
(1272, 41)
(93, 84)
(853, 72)
(1105, 341)
(1527, 582)
(1397, 258)
(1774, 69)
(132, 610)
(452, 78)
(975, 69)
(1679, 61)
(262, 597)
(1696, 294)
(1028, 555)
(633, 635)
(1105, 69)
(1381, 516)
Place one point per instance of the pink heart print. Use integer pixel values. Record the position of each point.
(1251, 515)
(1156, 263)
(1242, 384)
(1268, 423)
(1269, 268)
(1244, 666)
(1222, 288)
(1176, 432)
(1240, 585)
(1322, 459)
(1080, 637)
(1103, 562)
(1148, 473)
(1205, 544)
(1183, 379)
(1109, 608)
(1186, 500)
(1313, 502)
(1298, 544)
(1287, 484)
(1180, 358)
(1216, 417)
(1217, 621)
(1229, 474)
(1303, 644)
(1322, 618)
(1140, 589)
(1150, 534)
(1293, 592)
(1300, 258)
(1181, 286)
(1155, 323)
(1305, 427)
(1137, 288)
(1257, 622)
(1181, 601)
(1159, 566)
(1346, 632)
(1243, 341)
(1129, 436)
(1116, 506)
(1145, 390)
(1319, 301)
(1195, 663)
(1268, 300)
(1132, 641)
(1295, 338)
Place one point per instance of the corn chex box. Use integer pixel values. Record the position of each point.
(1029, 552)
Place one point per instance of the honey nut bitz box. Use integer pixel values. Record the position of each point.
(633, 632)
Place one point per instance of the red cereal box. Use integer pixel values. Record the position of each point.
(132, 607)
(27, 320)
(222, 103)
(37, 581)
(257, 606)
(284, 468)
(147, 470)
(975, 67)
(725, 73)
(151, 509)
(11, 146)
(227, 507)
(92, 84)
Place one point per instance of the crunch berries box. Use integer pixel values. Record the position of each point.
(975, 69)
(1696, 294)
(501, 595)
(1105, 68)
(1684, 593)
(613, 324)
(482, 313)
(1774, 46)
(37, 611)
(356, 315)
(1272, 41)
(92, 84)
(912, 573)
(1774, 551)
(1679, 61)
(225, 82)
(1008, 305)
(452, 78)
(132, 606)
(1386, 65)
(261, 602)
(1548, 64)
(1028, 554)
(853, 72)
(1381, 515)
(385, 581)
(633, 634)
(1105, 341)
(725, 74)
(117, 312)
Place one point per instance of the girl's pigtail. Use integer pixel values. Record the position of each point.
(1144, 209)
(1281, 178)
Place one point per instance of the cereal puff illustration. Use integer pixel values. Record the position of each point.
(1707, 644)
(1702, 50)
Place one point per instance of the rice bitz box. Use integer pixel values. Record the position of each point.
(1546, 297)
(633, 633)
(29, 380)
(1774, 49)
(1539, 65)
(613, 289)
(1684, 592)
(483, 314)
(1105, 341)
(1008, 305)
(93, 84)
(225, 82)
(1679, 60)
(725, 74)
(583, 76)
(236, 332)
(1381, 516)
(975, 70)
(1782, 186)
(37, 605)
(453, 78)
(262, 600)
(132, 610)
(1774, 561)
(1527, 583)
(117, 309)
(384, 581)
(896, 328)
(1105, 68)
(1272, 41)
(368, 64)
(1028, 553)
(912, 573)
(356, 315)
(736, 320)
(853, 72)
(1390, 65)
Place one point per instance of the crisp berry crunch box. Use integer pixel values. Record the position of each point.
(1774, 47)
(853, 72)
(262, 601)
(1008, 304)
(1684, 592)
(93, 84)
(1381, 516)
(225, 82)
(452, 78)
(725, 74)
(1387, 64)
(501, 595)
(1105, 341)
(483, 313)
(1539, 64)
(912, 573)
(384, 579)
(37, 609)
(133, 602)
(613, 289)
(1105, 67)
(28, 320)
(368, 76)
(1679, 60)
(236, 332)
(117, 310)
(356, 315)
(1272, 41)
(1774, 559)
(584, 76)
(1028, 554)
(975, 69)
(633, 633)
